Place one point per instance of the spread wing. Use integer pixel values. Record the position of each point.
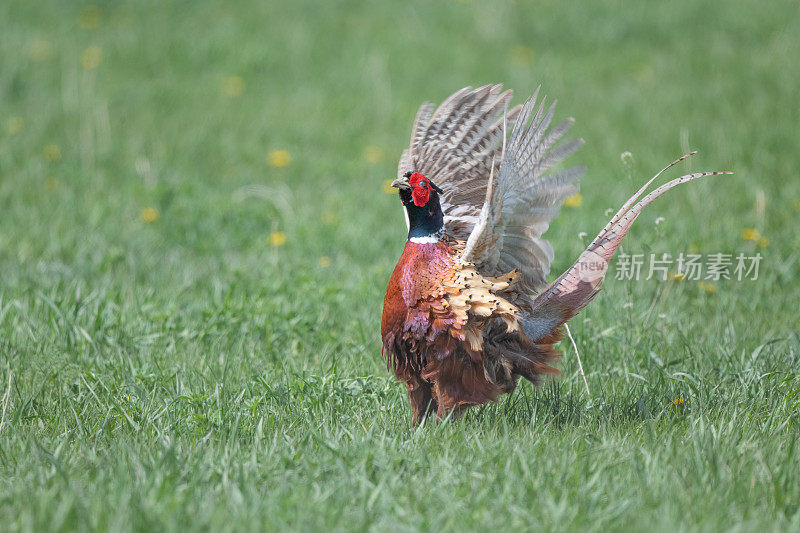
(524, 198)
(456, 146)
(460, 144)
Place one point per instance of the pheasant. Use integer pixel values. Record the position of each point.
(467, 309)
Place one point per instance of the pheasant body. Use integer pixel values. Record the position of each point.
(435, 322)
(467, 309)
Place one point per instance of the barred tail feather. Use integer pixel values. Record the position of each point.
(576, 287)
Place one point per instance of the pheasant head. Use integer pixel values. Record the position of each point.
(420, 198)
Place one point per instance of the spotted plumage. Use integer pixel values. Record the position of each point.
(467, 310)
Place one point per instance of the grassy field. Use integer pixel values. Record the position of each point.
(195, 240)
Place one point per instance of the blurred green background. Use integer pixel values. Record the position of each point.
(195, 238)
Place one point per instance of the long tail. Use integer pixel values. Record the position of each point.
(576, 287)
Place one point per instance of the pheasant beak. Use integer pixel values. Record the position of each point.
(401, 183)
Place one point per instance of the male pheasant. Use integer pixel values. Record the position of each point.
(467, 310)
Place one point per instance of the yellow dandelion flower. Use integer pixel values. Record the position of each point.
(750, 234)
(89, 17)
(643, 73)
(387, 187)
(324, 261)
(233, 86)
(41, 50)
(328, 217)
(92, 57)
(373, 154)
(279, 158)
(521, 56)
(149, 214)
(15, 125)
(708, 287)
(676, 276)
(51, 184)
(574, 201)
(763, 242)
(277, 238)
(52, 152)
(679, 401)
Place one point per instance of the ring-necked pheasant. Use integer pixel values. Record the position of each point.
(467, 310)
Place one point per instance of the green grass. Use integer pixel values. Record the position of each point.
(187, 373)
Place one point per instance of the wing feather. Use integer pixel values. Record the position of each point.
(524, 200)
(462, 142)
(454, 145)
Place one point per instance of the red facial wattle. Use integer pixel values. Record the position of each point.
(421, 189)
